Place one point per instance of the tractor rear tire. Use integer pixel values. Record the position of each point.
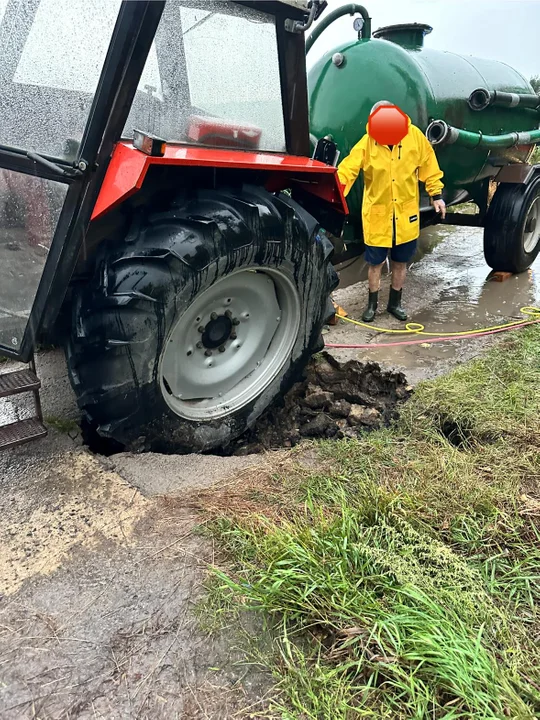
(199, 319)
(512, 230)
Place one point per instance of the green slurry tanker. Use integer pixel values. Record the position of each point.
(481, 116)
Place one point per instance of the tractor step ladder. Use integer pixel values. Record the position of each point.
(22, 431)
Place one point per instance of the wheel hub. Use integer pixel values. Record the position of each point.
(217, 332)
(531, 229)
(230, 343)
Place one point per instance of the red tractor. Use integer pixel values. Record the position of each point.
(160, 214)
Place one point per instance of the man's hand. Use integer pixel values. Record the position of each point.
(440, 207)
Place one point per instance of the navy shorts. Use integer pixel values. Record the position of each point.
(399, 253)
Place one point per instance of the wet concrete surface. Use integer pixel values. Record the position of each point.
(100, 568)
(447, 290)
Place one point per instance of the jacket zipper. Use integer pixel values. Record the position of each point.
(394, 210)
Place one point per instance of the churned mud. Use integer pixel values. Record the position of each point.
(333, 400)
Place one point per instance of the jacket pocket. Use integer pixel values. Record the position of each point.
(410, 221)
(378, 220)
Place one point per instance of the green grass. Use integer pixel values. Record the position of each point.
(402, 577)
(63, 425)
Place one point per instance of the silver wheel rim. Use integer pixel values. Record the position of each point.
(531, 231)
(230, 344)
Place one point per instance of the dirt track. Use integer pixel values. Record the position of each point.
(100, 568)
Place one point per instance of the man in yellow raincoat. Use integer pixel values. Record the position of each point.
(390, 207)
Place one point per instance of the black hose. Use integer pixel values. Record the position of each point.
(350, 9)
(481, 99)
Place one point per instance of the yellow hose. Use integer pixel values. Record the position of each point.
(413, 328)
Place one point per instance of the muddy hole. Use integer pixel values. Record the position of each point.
(332, 400)
(96, 443)
(462, 433)
(458, 434)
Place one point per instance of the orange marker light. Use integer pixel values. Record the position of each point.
(148, 143)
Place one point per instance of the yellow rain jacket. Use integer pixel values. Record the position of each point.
(391, 185)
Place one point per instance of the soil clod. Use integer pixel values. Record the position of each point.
(332, 400)
(360, 415)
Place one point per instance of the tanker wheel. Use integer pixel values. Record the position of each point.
(199, 319)
(512, 232)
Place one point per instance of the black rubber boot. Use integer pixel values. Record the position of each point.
(394, 305)
(369, 312)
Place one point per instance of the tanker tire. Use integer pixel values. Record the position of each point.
(142, 287)
(505, 229)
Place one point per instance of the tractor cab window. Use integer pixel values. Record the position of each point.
(212, 78)
(51, 56)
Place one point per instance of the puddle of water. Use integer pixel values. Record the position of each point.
(447, 290)
(466, 296)
(453, 257)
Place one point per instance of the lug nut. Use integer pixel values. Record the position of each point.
(236, 321)
(208, 353)
(222, 348)
(199, 346)
(213, 316)
(228, 314)
(233, 336)
(200, 329)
